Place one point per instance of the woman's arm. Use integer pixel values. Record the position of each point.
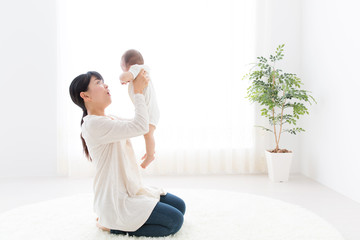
(105, 130)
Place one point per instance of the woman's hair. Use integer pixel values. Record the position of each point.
(131, 57)
(78, 85)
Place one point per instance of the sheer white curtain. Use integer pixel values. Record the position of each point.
(197, 52)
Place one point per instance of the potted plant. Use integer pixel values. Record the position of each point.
(283, 100)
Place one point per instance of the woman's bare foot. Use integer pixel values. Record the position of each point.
(101, 227)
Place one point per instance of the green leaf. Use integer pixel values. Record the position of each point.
(285, 93)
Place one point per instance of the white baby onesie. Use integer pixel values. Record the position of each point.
(149, 93)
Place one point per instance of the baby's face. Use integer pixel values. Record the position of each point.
(123, 66)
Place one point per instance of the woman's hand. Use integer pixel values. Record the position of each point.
(140, 82)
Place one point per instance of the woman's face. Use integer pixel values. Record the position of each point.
(98, 94)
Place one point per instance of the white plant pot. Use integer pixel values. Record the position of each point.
(278, 166)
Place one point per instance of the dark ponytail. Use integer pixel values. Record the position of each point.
(86, 150)
(78, 85)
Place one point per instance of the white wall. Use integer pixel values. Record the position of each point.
(322, 47)
(330, 68)
(28, 88)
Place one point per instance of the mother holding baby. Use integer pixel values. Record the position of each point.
(123, 204)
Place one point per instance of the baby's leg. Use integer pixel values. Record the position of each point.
(150, 147)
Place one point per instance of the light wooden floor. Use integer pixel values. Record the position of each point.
(338, 210)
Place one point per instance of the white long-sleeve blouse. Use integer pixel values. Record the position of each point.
(121, 200)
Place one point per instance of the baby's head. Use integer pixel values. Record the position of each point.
(129, 58)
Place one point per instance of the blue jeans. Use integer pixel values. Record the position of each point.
(166, 218)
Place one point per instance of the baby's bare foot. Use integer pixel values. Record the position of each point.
(101, 227)
(147, 161)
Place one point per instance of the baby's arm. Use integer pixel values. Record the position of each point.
(126, 77)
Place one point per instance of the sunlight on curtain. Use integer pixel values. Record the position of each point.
(197, 52)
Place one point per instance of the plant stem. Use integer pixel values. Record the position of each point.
(277, 145)
(282, 113)
(273, 112)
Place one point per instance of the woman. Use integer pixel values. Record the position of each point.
(121, 201)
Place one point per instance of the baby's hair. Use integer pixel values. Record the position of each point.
(131, 57)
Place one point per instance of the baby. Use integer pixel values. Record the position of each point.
(131, 64)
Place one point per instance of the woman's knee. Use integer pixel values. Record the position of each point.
(174, 201)
(178, 220)
(166, 216)
(182, 206)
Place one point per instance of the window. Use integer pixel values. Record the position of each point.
(197, 52)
